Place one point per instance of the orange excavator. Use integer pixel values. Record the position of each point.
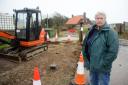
(29, 38)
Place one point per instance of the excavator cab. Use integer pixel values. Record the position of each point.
(30, 37)
(27, 24)
(28, 28)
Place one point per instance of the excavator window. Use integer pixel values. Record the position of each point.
(33, 25)
(39, 19)
(21, 25)
(28, 24)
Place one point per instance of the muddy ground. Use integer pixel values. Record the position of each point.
(65, 56)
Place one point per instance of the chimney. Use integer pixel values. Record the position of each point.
(72, 15)
(84, 16)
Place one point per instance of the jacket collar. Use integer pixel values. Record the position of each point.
(105, 27)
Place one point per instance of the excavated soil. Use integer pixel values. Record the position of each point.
(64, 56)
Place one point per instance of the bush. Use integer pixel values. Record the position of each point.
(85, 29)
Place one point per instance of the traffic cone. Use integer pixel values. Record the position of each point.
(69, 37)
(81, 59)
(36, 77)
(80, 77)
(56, 37)
(48, 39)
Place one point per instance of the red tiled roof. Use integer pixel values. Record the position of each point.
(74, 20)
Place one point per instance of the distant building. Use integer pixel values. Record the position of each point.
(126, 26)
(76, 20)
(120, 27)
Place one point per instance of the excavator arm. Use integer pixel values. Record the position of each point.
(5, 37)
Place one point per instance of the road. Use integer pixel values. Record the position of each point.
(119, 74)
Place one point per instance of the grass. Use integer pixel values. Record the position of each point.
(3, 46)
(85, 29)
(5, 39)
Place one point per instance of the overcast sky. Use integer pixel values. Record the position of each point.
(116, 10)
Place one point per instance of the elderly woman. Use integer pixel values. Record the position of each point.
(100, 48)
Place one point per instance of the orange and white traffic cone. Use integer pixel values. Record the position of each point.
(80, 77)
(69, 37)
(36, 77)
(56, 37)
(48, 39)
(81, 59)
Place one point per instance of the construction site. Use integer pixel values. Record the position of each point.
(29, 55)
(63, 56)
(36, 51)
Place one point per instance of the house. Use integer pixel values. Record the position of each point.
(76, 20)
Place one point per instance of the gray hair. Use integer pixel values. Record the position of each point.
(100, 13)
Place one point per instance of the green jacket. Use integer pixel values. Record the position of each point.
(103, 49)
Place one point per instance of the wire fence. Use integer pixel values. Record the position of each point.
(6, 22)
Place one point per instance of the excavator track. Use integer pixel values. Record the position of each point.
(33, 52)
(18, 55)
(12, 58)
